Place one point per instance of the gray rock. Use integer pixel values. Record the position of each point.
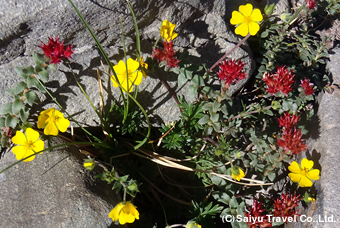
(53, 190)
(325, 154)
(202, 27)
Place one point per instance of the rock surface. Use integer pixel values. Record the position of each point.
(53, 190)
(201, 26)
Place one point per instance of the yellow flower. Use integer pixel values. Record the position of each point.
(167, 31)
(28, 144)
(89, 164)
(133, 74)
(192, 224)
(144, 66)
(247, 20)
(52, 120)
(237, 173)
(303, 174)
(311, 199)
(125, 212)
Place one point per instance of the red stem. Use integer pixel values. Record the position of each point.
(228, 53)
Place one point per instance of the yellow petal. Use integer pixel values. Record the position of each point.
(51, 129)
(294, 167)
(138, 78)
(246, 10)
(313, 174)
(19, 138)
(113, 79)
(174, 35)
(237, 18)
(307, 164)
(253, 28)
(242, 29)
(128, 214)
(120, 68)
(44, 116)
(32, 135)
(114, 214)
(235, 177)
(295, 177)
(241, 175)
(38, 146)
(132, 65)
(256, 15)
(305, 182)
(62, 124)
(22, 152)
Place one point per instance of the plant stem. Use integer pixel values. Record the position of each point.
(228, 53)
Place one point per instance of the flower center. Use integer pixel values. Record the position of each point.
(247, 20)
(28, 144)
(54, 118)
(304, 171)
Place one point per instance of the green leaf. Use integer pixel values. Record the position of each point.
(38, 58)
(198, 80)
(181, 80)
(6, 109)
(24, 114)
(20, 71)
(11, 121)
(17, 89)
(271, 176)
(264, 34)
(214, 117)
(233, 202)
(205, 119)
(17, 105)
(52, 67)
(276, 105)
(31, 97)
(2, 121)
(192, 91)
(43, 75)
(216, 126)
(31, 81)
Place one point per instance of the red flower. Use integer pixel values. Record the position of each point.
(311, 4)
(291, 141)
(279, 82)
(167, 54)
(256, 212)
(231, 71)
(287, 121)
(307, 87)
(56, 51)
(286, 206)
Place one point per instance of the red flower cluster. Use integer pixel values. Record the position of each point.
(256, 212)
(56, 50)
(167, 54)
(288, 121)
(311, 4)
(279, 82)
(307, 87)
(291, 139)
(286, 205)
(231, 71)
